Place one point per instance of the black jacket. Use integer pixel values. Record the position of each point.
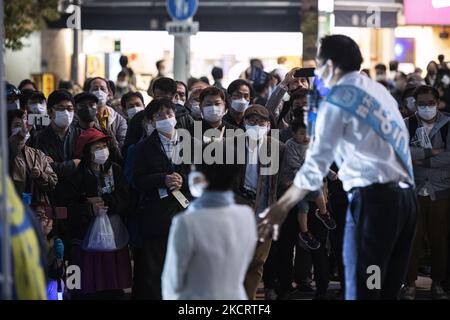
(229, 119)
(136, 127)
(183, 116)
(135, 132)
(62, 153)
(151, 166)
(84, 184)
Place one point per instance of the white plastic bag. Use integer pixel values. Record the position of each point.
(101, 235)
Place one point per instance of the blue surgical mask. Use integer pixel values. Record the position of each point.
(427, 112)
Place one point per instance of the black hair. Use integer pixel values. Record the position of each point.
(342, 50)
(221, 176)
(211, 91)
(65, 84)
(165, 84)
(25, 96)
(217, 73)
(393, 65)
(122, 74)
(24, 82)
(297, 124)
(380, 66)
(12, 114)
(158, 64)
(426, 89)
(123, 60)
(236, 84)
(112, 86)
(402, 75)
(191, 81)
(185, 88)
(441, 57)
(87, 84)
(127, 96)
(204, 79)
(156, 105)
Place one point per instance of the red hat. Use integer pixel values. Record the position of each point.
(87, 137)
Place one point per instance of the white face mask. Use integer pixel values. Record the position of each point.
(179, 102)
(132, 111)
(445, 80)
(15, 131)
(38, 108)
(101, 96)
(63, 119)
(240, 105)
(101, 155)
(166, 126)
(122, 84)
(256, 132)
(319, 72)
(197, 183)
(212, 113)
(426, 112)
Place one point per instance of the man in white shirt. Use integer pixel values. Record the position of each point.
(359, 126)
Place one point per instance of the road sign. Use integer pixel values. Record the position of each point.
(179, 28)
(182, 9)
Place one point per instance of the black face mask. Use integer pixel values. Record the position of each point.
(87, 114)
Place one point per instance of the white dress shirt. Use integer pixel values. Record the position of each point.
(363, 157)
(208, 254)
(169, 145)
(251, 170)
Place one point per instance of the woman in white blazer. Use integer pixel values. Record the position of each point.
(211, 244)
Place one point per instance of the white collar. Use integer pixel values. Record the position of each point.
(165, 139)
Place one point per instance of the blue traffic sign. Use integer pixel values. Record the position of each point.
(182, 9)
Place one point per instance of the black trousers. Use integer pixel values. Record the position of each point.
(147, 271)
(379, 235)
(338, 204)
(287, 241)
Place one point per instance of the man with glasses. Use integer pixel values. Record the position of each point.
(58, 142)
(257, 187)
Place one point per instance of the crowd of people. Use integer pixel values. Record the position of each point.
(98, 169)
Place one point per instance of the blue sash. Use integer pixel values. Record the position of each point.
(365, 107)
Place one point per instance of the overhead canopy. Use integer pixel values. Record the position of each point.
(229, 15)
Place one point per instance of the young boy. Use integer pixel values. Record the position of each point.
(295, 152)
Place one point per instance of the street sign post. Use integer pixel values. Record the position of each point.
(182, 27)
(182, 9)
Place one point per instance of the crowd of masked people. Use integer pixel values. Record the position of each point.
(76, 158)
